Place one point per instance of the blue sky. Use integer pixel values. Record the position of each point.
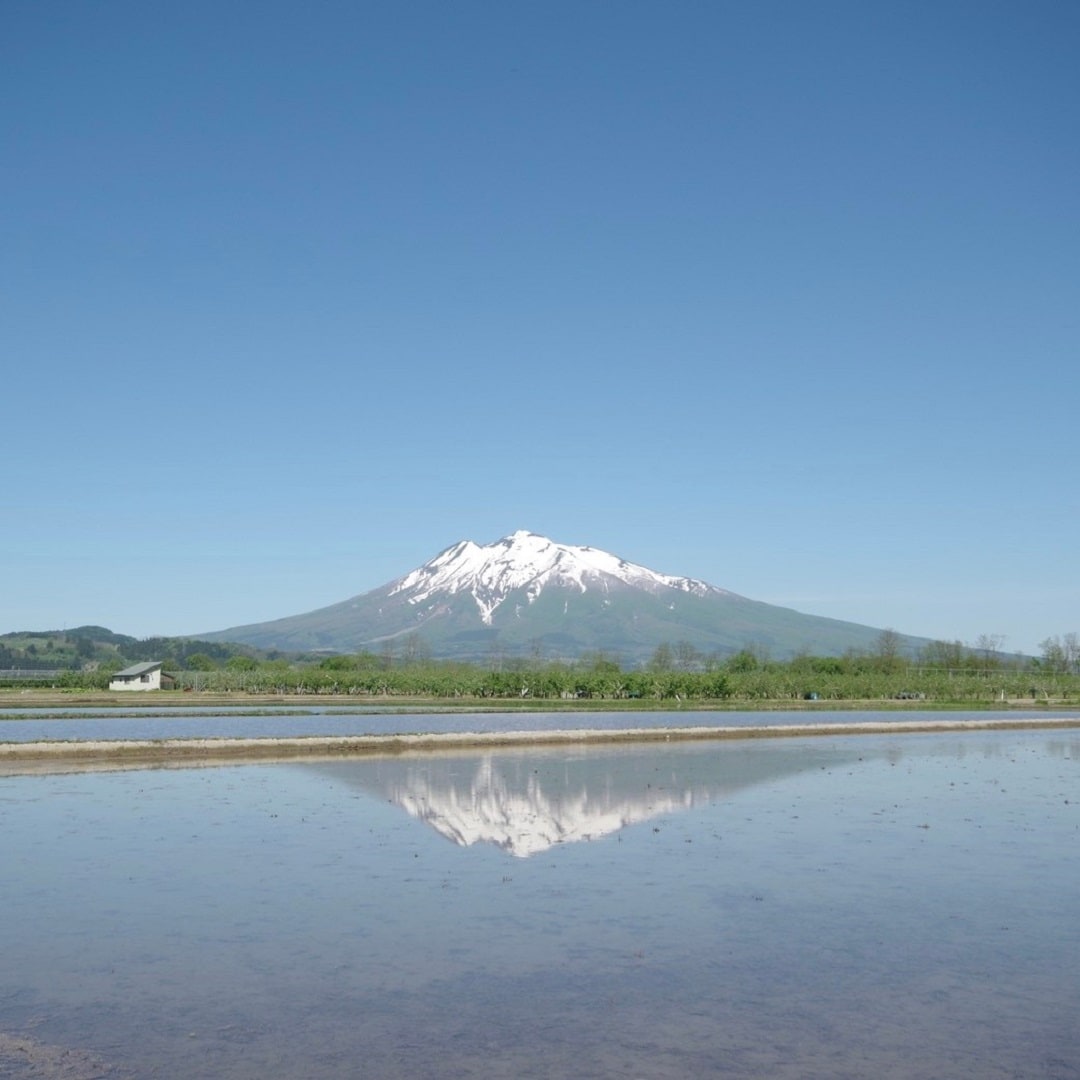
(775, 294)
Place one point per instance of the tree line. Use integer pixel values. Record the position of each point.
(941, 672)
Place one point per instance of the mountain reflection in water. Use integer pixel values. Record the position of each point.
(526, 801)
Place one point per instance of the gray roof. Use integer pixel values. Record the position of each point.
(139, 669)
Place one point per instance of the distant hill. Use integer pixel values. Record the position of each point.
(95, 647)
(526, 595)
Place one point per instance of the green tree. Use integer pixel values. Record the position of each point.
(600, 663)
(943, 654)
(989, 648)
(663, 659)
(743, 661)
(1061, 654)
(687, 658)
(416, 649)
(887, 650)
(338, 663)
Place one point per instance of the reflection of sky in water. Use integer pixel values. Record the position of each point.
(25, 726)
(899, 906)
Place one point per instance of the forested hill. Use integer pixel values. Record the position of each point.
(93, 647)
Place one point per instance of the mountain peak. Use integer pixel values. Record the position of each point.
(527, 595)
(526, 560)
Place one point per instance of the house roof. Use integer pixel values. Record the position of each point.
(139, 669)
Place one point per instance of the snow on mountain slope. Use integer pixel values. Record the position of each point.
(527, 561)
(527, 596)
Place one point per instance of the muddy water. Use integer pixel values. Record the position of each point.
(899, 906)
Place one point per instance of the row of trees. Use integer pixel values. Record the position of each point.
(941, 671)
(745, 676)
(463, 681)
(1059, 654)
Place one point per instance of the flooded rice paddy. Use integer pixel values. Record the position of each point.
(33, 725)
(890, 905)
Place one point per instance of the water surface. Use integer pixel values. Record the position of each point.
(894, 906)
(182, 724)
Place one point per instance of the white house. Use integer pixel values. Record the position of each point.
(148, 676)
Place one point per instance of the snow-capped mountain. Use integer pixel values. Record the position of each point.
(528, 563)
(527, 595)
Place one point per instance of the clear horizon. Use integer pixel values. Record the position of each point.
(781, 298)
